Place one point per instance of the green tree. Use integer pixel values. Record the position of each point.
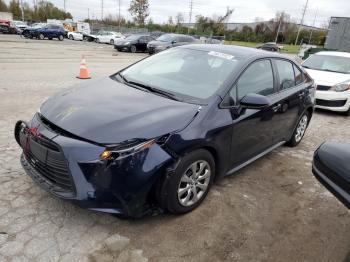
(15, 9)
(3, 6)
(139, 10)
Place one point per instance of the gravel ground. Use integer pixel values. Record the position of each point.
(273, 210)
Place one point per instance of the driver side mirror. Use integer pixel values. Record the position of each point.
(174, 42)
(254, 101)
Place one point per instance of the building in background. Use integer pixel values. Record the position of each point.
(338, 37)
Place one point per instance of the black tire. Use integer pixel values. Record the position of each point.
(133, 49)
(347, 113)
(294, 141)
(111, 42)
(60, 37)
(85, 38)
(41, 37)
(71, 37)
(168, 192)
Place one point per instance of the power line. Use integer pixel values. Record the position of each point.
(301, 22)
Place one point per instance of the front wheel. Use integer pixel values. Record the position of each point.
(60, 37)
(133, 49)
(189, 185)
(300, 130)
(71, 37)
(111, 42)
(41, 37)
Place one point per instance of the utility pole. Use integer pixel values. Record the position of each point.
(119, 14)
(189, 22)
(22, 11)
(64, 5)
(101, 10)
(313, 25)
(89, 14)
(279, 28)
(301, 22)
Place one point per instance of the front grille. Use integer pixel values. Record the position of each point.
(46, 158)
(323, 88)
(330, 103)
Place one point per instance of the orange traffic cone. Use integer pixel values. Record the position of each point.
(83, 74)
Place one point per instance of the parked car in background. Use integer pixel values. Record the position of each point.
(133, 43)
(160, 131)
(331, 167)
(19, 24)
(49, 31)
(8, 29)
(331, 72)
(271, 46)
(108, 37)
(75, 36)
(167, 41)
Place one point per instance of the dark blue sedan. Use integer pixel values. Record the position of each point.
(160, 132)
(49, 31)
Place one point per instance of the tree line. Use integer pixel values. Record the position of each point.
(40, 10)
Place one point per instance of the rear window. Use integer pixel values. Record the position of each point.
(286, 74)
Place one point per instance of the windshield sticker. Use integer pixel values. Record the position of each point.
(221, 55)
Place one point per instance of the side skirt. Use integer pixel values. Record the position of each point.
(235, 169)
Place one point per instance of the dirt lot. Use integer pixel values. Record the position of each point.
(273, 210)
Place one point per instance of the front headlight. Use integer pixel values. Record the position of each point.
(341, 87)
(134, 147)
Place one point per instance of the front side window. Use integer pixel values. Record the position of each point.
(257, 79)
(286, 74)
(189, 74)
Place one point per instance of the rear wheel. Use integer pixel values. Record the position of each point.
(300, 130)
(97, 40)
(60, 37)
(133, 49)
(71, 37)
(111, 42)
(41, 37)
(189, 185)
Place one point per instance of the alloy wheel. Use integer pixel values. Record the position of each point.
(194, 183)
(302, 125)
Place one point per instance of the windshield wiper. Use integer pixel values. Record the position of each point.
(155, 90)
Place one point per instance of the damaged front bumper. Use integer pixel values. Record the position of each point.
(71, 169)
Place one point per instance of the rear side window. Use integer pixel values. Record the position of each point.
(299, 78)
(286, 74)
(257, 79)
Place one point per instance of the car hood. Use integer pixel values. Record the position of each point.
(123, 41)
(108, 112)
(327, 78)
(159, 43)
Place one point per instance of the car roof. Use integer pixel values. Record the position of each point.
(334, 53)
(238, 51)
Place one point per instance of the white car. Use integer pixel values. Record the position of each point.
(75, 36)
(108, 37)
(331, 72)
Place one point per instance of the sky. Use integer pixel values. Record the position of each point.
(245, 10)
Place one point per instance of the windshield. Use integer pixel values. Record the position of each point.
(190, 75)
(336, 64)
(166, 38)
